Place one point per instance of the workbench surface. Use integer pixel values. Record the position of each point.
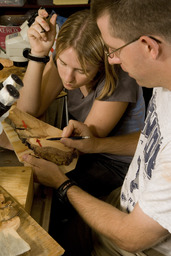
(41, 198)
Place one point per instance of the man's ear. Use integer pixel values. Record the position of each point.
(152, 47)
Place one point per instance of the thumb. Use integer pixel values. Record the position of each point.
(53, 19)
(29, 159)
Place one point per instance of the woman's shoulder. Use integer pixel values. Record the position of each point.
(125, 81)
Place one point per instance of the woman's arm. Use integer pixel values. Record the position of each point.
(104, 116)
(41, 86)
(41, 83)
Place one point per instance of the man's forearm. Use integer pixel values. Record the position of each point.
(98, 214)
(102, 217)
(124, 230)
(119, 145)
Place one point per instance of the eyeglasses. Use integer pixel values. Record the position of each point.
(112, 53)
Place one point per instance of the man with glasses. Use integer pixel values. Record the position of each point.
(137, 220)
(114, 52)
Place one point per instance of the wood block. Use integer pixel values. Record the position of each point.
(18, 181)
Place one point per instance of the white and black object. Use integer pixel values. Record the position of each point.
(1, 66)
(9, 93)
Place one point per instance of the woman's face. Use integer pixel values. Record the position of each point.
(71, 72)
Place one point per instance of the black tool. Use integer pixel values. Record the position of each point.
(73, 138)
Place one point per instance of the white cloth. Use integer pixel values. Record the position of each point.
(148, 180)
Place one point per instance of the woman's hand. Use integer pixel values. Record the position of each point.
(42, 34)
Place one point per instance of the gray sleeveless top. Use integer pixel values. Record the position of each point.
(127, 90)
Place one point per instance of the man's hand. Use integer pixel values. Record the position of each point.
(45, 172)
(76, 128)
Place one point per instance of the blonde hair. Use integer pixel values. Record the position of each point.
(82, 34)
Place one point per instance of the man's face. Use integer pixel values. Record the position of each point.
(129, 57)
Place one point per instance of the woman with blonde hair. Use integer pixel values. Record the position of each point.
(108, 101)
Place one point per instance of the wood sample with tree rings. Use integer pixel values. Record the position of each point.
(28, 134)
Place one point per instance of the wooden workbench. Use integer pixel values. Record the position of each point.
(38, 203)
(18, 181)
(39, 241)
(42, 198)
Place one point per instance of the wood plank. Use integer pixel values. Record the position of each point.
(69, 2)
(41, 243)
(18, 181)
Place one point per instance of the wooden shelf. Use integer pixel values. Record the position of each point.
(63, 10)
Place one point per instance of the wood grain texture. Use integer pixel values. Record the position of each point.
(7, 71)
(38, 129)
(41, 243)
(18, 181)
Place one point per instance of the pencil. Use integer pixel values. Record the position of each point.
(73, 138)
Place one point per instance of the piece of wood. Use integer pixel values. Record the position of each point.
(53, 151)
(36, 128)
(7, 71)
(18, 181)
(6, 62)
(8, 157)
(69, 2)
(41, 243)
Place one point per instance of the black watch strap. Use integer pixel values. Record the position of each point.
(61, 192)
(27, 54)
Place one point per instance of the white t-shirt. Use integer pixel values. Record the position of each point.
(148, 180)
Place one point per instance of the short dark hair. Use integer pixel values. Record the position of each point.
(132, 18)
